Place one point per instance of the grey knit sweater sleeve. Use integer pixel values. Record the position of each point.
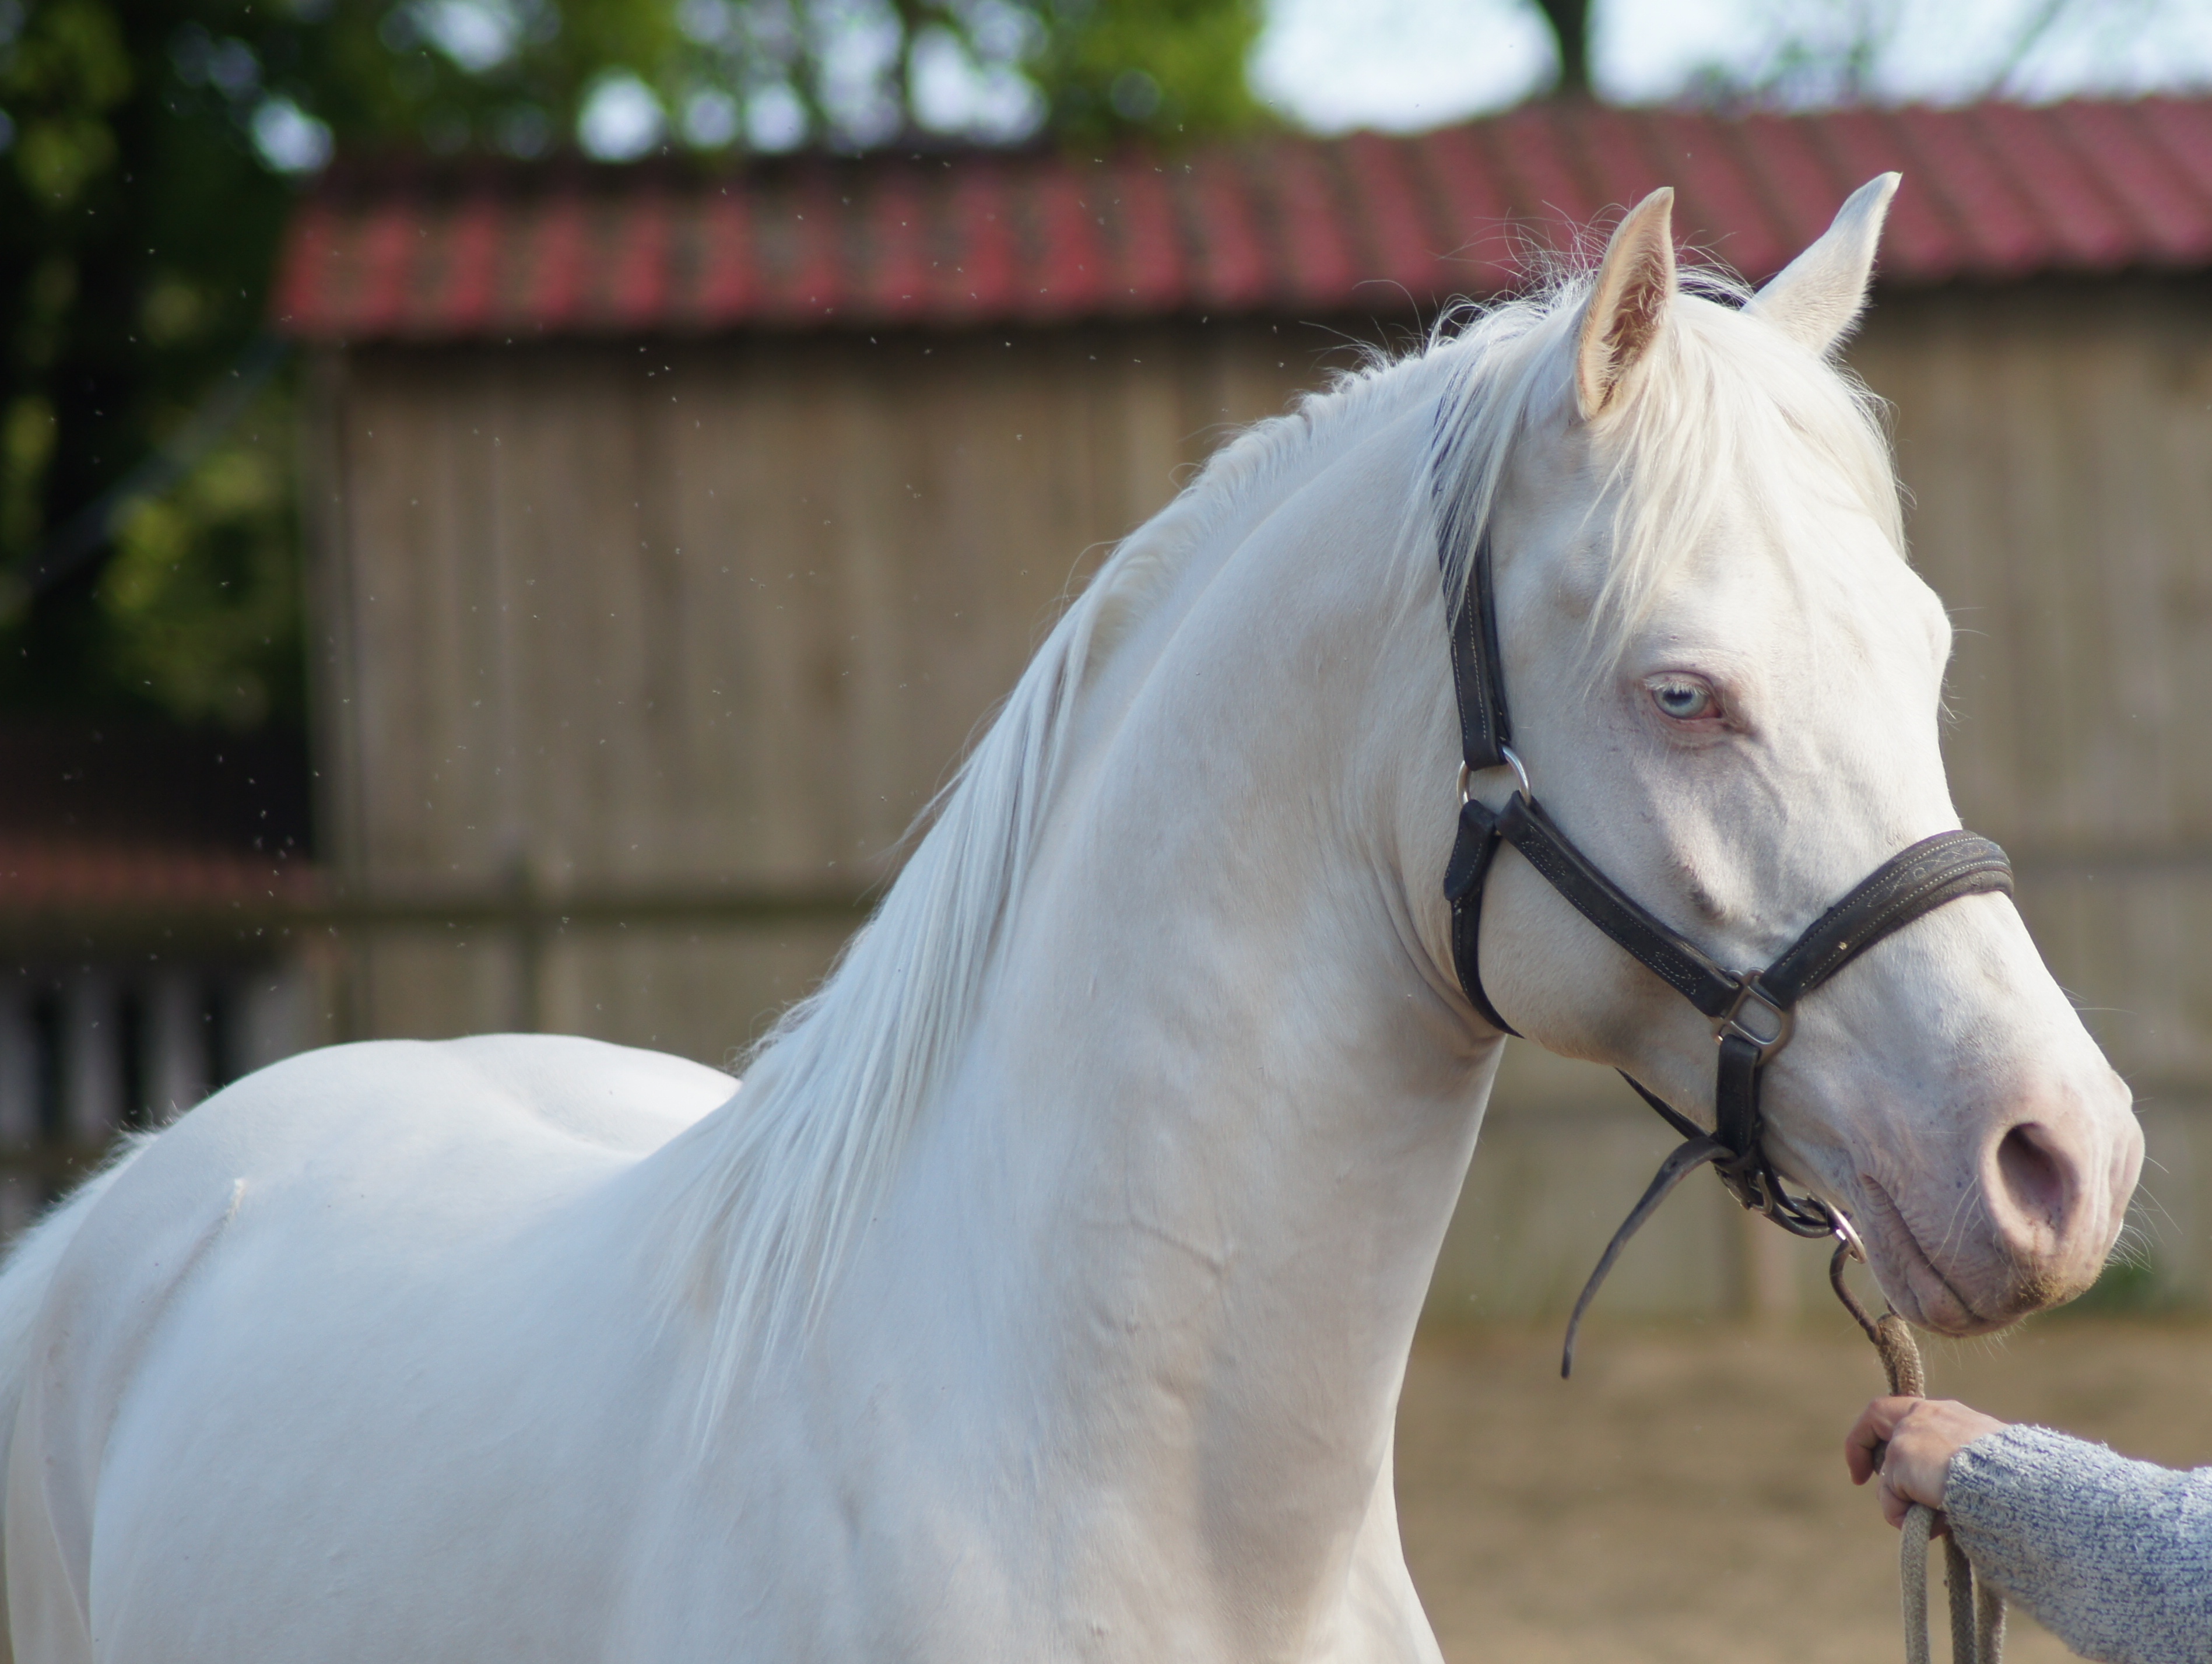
(2114, 1557)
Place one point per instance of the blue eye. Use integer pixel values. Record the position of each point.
(1683, 698)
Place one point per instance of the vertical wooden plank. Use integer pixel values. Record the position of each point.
(20, 1197)
(2057, 439)
(92, 1058)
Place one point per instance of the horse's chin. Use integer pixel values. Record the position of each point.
(1916, 1288)
(1948, 1300)
(1922, 1299)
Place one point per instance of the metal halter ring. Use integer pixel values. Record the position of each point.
(1846, 1235)
(1730, 1022)
(1520, 773)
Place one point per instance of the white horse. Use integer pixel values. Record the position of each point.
(1046, 1290)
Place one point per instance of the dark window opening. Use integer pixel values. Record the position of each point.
(46, 1064)
(132, 1043)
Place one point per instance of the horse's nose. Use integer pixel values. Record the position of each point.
(2058, 1182)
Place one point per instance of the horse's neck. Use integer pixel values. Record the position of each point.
(1207, 1140)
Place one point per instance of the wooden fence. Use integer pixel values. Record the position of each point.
(119, 1017)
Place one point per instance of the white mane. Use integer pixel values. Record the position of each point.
(788, 1172)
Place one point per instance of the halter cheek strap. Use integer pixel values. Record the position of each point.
(1486, 741)
(1752, 1013)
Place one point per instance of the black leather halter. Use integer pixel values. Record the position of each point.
(1751, 1011)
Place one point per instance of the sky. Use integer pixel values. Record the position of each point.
(1403, 64)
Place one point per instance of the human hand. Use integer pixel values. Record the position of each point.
(1922, 1434)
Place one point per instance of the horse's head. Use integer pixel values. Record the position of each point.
(1725, 681)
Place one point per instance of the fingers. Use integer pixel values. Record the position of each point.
(1894, 1506)
(1871, 1432)
(1915, 1439)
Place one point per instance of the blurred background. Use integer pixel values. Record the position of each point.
(508, 509)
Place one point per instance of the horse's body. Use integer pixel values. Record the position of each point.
(483, 1198)
(1047, 1290)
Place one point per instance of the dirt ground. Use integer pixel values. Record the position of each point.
(1683, 1498)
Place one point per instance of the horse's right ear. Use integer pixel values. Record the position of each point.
(1818, 296)
(1628, 304)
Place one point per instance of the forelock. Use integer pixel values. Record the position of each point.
(1727, 411)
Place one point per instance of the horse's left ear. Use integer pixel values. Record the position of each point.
(1628, 304)
(1818, 296)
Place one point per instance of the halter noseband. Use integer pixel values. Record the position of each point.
(1751, 1012)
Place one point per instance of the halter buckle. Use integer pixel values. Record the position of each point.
(1757, 1018)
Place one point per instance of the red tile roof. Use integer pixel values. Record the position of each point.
(1361, 224)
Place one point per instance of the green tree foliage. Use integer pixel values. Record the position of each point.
(150, 151)
(1167, 66)
(134, 218)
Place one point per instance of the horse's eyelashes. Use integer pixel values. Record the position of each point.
(1684, 698)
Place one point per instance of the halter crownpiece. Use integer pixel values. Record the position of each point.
(1752, 1013)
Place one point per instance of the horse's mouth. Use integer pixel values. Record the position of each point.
(1921, 1294)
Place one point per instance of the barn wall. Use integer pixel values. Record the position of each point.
(707, 615)
(2058, 438)
(723, 614)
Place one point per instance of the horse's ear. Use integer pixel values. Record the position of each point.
(1818, 296)
(1629, 303)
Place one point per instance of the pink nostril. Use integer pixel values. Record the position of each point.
(2034, 1177)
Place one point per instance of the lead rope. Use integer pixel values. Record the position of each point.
(1977, 1613)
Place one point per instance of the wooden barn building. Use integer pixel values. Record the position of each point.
(671, 530)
